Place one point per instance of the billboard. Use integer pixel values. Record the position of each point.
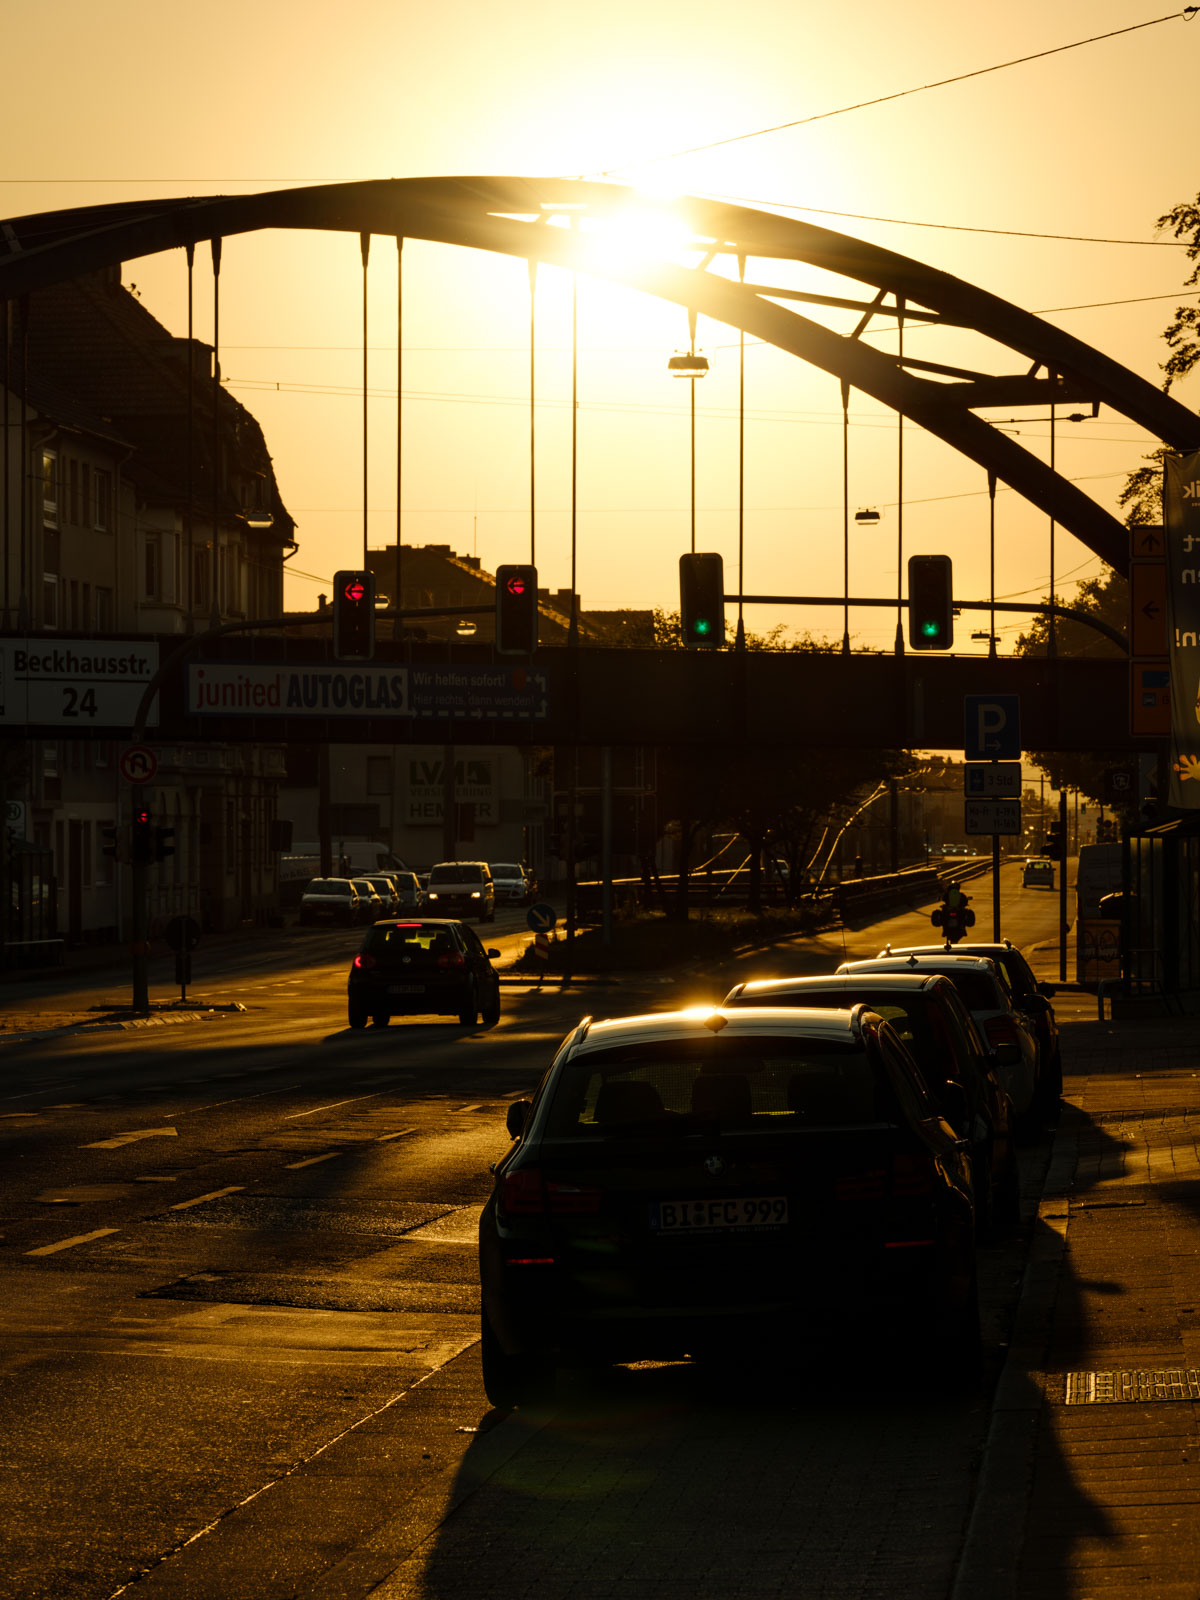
(1181, 523)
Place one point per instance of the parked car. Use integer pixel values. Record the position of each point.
(464, 888)
(684, 1183)
(988, 998)
(408, 890)
(431, 967)
(1038, 870)
(371, 902)
(330, 900)
(512, 886)
(1030, 996)
(384, 886)
(929, 1015)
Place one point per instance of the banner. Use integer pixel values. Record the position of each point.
(1181, 523)
(249, 689)
(475, 784)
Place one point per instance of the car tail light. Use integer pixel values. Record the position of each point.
(861, 1185)
(1002, 1030)
(911, 1174)
(454, 960)
(522, 1194)
(364, 963)
(571, 1200)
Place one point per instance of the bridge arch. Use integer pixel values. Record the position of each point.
(510, 216)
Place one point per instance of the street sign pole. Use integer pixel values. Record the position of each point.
(995, 888)
(1062, 886)
(139, 921)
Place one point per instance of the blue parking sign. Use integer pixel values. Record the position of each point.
(992, 727)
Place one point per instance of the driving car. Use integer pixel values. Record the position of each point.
(929, 1015)
(408, 890)
(988, 998)
(465, 887)
(689, 1183)
(370, 900)
(332, 900)
(430, 966)
(1037, 870)
(512, 886)
(1030, 996)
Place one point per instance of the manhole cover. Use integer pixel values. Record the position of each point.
(1132, 1386)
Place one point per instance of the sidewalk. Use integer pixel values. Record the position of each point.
(1091, 1481)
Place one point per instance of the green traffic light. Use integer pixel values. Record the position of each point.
(702, 626)
(930, 630)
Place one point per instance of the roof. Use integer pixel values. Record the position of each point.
(765, 990)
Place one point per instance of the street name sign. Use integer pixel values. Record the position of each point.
(992, 816)
(995, 780)
(78, 685)
(992, 727)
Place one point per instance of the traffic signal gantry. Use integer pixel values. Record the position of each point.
(702, 600)
(516, 610)
(353, 616)
(930, 603)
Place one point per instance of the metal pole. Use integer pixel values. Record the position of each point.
(1062, 887)
(992, 564)
(900, 491)
(741, 627)
(189, 471)
(139, 919)
(995, 888)
(533, 266)
(692, 380)
(364, 240)
(846, 516)
(398, 626)
(606, 852)
(1052, 640)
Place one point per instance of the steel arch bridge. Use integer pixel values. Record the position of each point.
(512, 216)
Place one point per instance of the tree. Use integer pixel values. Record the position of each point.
(1182, 333)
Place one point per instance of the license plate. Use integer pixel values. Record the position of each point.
(710, 1216)
(406, 988)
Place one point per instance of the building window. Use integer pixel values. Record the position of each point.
(73, 492)
(49, 600)
(49, 488)
(102, 508)
(151, 574)
(200, 567)
(104, 609)
(72, 617)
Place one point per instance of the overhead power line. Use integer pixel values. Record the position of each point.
(1186, 14)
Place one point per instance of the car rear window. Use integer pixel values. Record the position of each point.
(415, 940)
(684, 1086)
(328, 886)
(980, 990)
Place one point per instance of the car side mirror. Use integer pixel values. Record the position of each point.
(516, 1117)
(493, 955)
(1049, 990)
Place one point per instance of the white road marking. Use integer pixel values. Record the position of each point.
(234, 1100)
(131, 1138)
(66, 1244)
(199, 1200)
(294, 1166)
(333, 1105)
(384, 1137)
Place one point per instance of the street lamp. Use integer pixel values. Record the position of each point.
(688, 364)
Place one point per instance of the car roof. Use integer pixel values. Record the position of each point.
(762, 989)
(969, 949)
(762, 1022)
(914, 959)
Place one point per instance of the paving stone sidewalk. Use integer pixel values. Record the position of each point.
(1092, 1480)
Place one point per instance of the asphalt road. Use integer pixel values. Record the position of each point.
(238, 1329)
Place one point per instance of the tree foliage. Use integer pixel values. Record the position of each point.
(1182, 334)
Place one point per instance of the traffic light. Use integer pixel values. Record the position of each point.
(353, 616)
(702, 601)
(141, 837)
(516, 610)
(930, 603)
(164, 843)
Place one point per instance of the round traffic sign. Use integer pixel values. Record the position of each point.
(138, 764)
(540, 918)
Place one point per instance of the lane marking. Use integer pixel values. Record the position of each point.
(131, 1138)
(234, 1100)
(294, 1166)
(333, 1105)
(384, 1137)
(182, 1205)
(66, 1244)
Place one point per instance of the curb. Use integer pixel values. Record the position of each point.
(161, 1020)
(995, 1534)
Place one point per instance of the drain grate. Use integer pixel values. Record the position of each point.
(1132, 1386)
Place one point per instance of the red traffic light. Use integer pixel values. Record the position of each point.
(355, 590)
(141, 817)
(515, 586)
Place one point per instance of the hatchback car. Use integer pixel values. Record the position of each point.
(929, 1015)
(408, 890)
(462, 887)
(1030, 996)
(384, 886)
(420, 968)
(1037, 870)
(988, 998)
(690, 1182)
(330, 900)
(370, 901)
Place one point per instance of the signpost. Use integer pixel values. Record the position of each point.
(992, 727)
(75, 684)
(992, 803)
(995, 780)
(992, 816)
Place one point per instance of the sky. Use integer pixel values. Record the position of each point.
(1094, 142)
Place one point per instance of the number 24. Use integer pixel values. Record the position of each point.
(78, 704)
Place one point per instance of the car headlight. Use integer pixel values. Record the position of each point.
(474, 894)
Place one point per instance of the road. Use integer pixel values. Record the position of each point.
(240, 1316)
